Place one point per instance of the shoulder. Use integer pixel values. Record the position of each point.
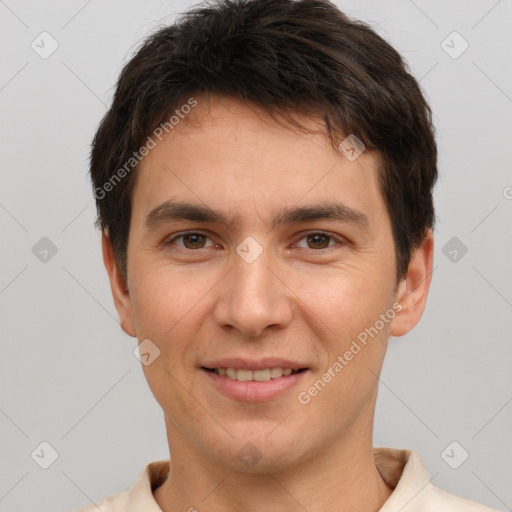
(413, 491)
(115, 503)
(440, 500)
(139, 497)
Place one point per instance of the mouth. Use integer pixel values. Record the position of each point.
(260, 375)
(253, 385)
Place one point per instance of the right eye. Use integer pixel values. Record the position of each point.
(192, 241)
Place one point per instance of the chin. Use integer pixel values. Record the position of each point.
(255, 454)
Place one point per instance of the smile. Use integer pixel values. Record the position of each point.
(260, 375)
(257, 385)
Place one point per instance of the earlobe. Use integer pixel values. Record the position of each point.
(413, 289)
(120, 292)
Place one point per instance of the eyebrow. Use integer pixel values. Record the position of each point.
(171, 211)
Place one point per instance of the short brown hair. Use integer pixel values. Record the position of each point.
(286, 56)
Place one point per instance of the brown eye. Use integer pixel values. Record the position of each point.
(190, 241)
(194, 241)
(318, 241)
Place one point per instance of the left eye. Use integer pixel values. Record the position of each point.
(316, 241)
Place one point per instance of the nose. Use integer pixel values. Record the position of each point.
(253, 299)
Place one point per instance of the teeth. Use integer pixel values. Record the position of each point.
(261, 375)
(244, 375)
(276, 372)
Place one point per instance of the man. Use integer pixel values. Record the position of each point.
(264, 185)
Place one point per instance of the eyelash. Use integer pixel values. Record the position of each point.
(332, 238)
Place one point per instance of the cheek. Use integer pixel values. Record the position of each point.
(354, 338)
(169, 312)
(350, 306)
(346, 298)
(165, 298)
(173, 310)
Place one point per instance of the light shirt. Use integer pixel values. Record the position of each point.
(402, 470)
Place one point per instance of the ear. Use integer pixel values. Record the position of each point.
(413, 289)
(120, 292)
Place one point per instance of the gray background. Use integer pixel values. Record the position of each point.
(69, 376)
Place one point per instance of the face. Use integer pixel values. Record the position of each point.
(254, 250)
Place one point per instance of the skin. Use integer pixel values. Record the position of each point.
(303, 298)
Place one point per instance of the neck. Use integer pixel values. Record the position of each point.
(342, 478)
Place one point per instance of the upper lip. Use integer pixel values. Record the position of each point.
(254, 364)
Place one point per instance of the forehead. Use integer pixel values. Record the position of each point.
(232, 123)
(230, 155)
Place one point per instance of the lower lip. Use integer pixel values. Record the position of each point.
(254, 391)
